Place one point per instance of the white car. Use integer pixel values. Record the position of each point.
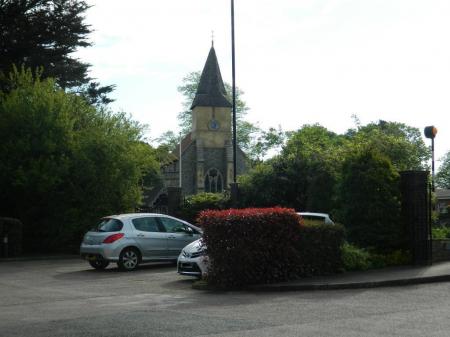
(193, 260)
(322, 217)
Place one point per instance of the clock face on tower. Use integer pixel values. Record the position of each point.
(213, 124)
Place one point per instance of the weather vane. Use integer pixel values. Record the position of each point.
(212, 38)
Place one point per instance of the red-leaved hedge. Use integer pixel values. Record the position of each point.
(250, 246)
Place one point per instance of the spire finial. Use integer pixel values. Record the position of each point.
(212, 38)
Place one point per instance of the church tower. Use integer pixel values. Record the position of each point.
(211, 128)
(206, 153)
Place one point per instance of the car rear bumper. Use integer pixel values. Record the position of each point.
(92, 252)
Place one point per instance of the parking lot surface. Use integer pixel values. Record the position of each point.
(68, 298)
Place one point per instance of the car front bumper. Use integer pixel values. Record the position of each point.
(197, 266)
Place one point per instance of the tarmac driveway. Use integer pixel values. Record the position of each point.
(68, 298)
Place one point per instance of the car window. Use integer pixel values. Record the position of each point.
(314, 218)
(172, 225)
(148, 224)
(109, 225)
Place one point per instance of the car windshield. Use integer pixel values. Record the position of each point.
(108, 225)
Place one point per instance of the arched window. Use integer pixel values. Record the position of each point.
(213, 181)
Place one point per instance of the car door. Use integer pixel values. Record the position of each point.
(150, 237)
(179, 235)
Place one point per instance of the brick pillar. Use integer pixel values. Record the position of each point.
(416, 214)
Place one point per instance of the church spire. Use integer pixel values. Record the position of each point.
(211, 90)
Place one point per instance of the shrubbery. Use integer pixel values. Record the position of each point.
(64, 163)
(440, 233)
(196, 203)
(355, 258)
(319, 246)
(369, 195)
(251, 246)
(265, 245)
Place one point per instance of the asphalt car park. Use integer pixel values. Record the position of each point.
(68, 298)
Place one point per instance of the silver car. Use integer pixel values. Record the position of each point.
(319, 217)
(129, 239)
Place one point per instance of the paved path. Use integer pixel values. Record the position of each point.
(393, 276)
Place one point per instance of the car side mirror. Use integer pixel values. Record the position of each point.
(189, 231)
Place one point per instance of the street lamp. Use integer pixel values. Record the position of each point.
(233, 75)
(430, 132)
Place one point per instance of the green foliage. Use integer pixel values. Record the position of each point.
(196, 203)
(354, 258)
(302, 177)
(319, 246)
(370, 202)
(11, 228)
(261, 187)
(440, 233)
(443, 175)
(44, 34)
(402, 144)
(64, 163)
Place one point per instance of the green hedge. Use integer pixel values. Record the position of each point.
(266, 245)
(251, 246)
(13, 229)
(196, 203)
(319, 246)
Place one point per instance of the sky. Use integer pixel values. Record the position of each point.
(297, 61)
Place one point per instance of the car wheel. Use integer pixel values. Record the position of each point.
(128, 259)
(99, 264)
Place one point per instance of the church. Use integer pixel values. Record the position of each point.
(204, 158)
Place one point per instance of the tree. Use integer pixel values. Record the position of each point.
(44, 34)
(65, 163)
(443, 175)
(401, 143)
(369, 196)
(303, 176)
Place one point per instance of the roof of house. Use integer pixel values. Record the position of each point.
(211, 90)
(442, 193)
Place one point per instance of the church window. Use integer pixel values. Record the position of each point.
(213, 181)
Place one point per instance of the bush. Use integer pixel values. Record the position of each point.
(13, 229)
(319, 246)
(194, 204)
(64, 164)
(369, 194)
(251, 246)
(440, 233)
(354, 258)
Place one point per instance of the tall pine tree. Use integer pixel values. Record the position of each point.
(45, 33)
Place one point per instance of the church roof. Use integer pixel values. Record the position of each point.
(211, 91)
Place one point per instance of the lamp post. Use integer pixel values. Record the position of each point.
(430, 132)
(233, 185)
(233, 75)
